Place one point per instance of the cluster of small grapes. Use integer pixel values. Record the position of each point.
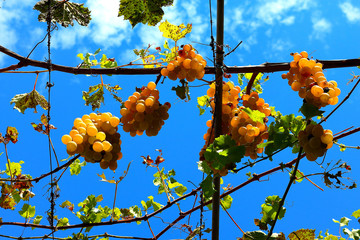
(315, 141)
(307, 77)
(95, 138)
(143, 112)
(187, 65)
(247, 132)
(230, 100)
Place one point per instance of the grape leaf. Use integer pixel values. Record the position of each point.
(182, 91)
(356, 214)
(64, 12)
(67, 204)
(27, 211)
(207, 187)
(15, 168)
(353, 234)
(95, 95)
(269, 210)
(226, 201)
(203, 103)
(310, 111)
(223, 152)
(62, 222)
(75, 167)
(255, 115)
(303, 234)
(283, 132)
(12, 134)
(174, 32)
(140, 11)
(29, 100)
(37, 220)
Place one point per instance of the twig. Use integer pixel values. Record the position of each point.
(347, 96)
(310, 181)
(8, 160)
(232, 218)
(154, 237)
(233, 48)
(251, 82)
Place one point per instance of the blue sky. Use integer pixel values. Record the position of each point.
(270, 31)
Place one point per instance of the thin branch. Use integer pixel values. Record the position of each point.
(233, 49)
(90, 237)
(347, 97)
(264, 68)
(232, 218)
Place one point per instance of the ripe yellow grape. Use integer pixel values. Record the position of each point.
(170, 67)
(317, 90)
(140, 107)
(98, 146)
(107, 146)
(105, 117)
(151, 85)
(114, 121)
(93, 116)
(327, 138)
(104, 164)
(91, 131)
(71, 146)
(78, 139)
(317, 130)
(77, 121)
(149, 102)
(84, 117)
(164, 72)
(187, 47)
(66, 138)
(187, 63)
(100, 136)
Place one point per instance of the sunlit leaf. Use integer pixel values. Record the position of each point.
(303, 234)
(146, 12)
(63, 12)
(29, 100)
(27, 211)
(174, 32)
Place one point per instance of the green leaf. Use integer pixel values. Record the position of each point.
(207, 186)
(269, 210)
(139, 11)
(62, 222)
(174, 32)
(310, 111)
(29, 100)
(75, 167)
(203, 103)
(15, 168)
(37, 220)
(182, 91)
(27, 211)
(67, 204)
(63, 12)
(226, 201)
(255, 115)
(353, 234)
(356, 214)
(283, 132)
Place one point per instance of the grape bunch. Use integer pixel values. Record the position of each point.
(315, 141)
(307, 77)
(187, 65)
(143, 112)
(230, 100)
(95, 138)
(247, 132)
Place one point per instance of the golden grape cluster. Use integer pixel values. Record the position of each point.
(143, 112)
(236, 122)
(247, 132)
(315, 141)
(187, 65)
(230, 100)
(307, 77)
(95, 138)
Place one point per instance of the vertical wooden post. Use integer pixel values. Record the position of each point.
(218, 110)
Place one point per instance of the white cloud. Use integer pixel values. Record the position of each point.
(289, 20)
(270, 12)
(321, 27)
(351, 12)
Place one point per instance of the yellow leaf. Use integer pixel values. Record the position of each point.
(174, 32)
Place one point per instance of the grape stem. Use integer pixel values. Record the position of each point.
(37, 75)
(251, 82)
(163, 183)
(8, 160)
